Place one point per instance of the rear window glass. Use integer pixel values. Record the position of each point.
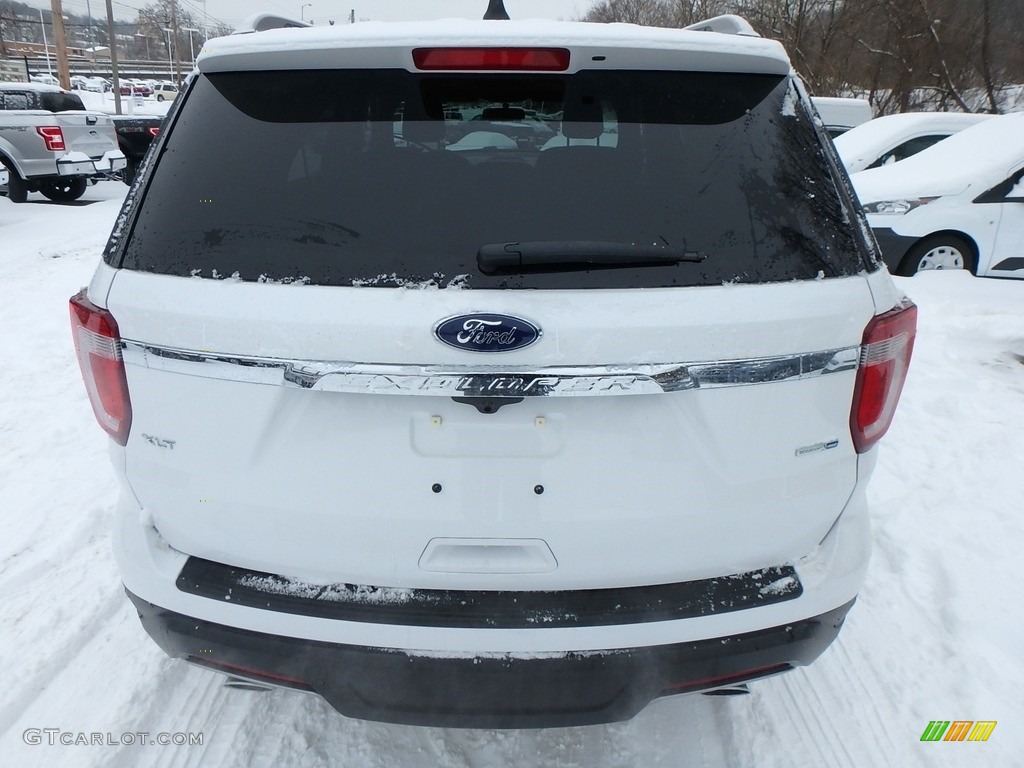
(61, 102)
(907, 149)
(13, 100)
(387, 178)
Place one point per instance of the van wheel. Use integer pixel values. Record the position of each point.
(17, 189)
(64, 190)
(938, 252)
(159, 97)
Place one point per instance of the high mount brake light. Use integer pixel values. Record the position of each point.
(98, 345)
(53, 136)
(884, 362)
(492, 59)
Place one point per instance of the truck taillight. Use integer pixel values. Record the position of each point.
(53, 136)
(98, 344)
(884, 361)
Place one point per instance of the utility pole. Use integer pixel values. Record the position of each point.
(46, 45)
(112, 41)
(92, 37)
(170, 58)
(191, 44)
(64, 72)
(174, 27)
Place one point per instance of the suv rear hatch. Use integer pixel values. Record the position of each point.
(684, 411)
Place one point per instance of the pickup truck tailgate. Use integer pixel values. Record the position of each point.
(90, 133)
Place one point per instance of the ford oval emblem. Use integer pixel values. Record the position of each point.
(487, 332)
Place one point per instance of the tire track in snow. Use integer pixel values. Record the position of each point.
(856, 684)
(822, 720)
(800, 719)
(185, 700)
(48, 657)
(23, 569)
(244, 729)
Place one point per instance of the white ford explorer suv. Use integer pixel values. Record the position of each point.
(493, 373)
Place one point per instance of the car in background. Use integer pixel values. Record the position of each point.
(840, 114)
(96, 85)
(138, 88)
(49, 143)
(891, 138)
(165, 91)
(956, 205)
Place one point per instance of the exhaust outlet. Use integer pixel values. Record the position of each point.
(730, 690)
(246, 685)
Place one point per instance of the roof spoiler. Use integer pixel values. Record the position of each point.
(727, 24)
(261, 22)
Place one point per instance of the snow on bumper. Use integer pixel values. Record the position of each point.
(80, 164)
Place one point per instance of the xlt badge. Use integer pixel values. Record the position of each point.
(487, 332)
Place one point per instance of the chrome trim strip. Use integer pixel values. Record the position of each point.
(489, 381)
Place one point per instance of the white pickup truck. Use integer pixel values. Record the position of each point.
(48, 146)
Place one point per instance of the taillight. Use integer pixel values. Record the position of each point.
(53, 136)
(98, 344)
(532, 59)
(884, 361)
(154, 130)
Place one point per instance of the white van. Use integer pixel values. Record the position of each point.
(842, 114)
(891, 138)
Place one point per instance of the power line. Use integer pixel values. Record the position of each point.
(66, 23)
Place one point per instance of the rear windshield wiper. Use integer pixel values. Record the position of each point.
(557, 255)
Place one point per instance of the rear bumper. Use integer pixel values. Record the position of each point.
(489, 662)
(79, 164)
(490, 690)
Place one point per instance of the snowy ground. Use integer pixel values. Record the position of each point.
(936, 635)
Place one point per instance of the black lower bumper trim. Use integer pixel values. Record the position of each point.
(477, 609)
(577, 688)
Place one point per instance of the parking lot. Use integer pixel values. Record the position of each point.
(934, 635)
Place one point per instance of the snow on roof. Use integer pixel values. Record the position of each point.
(841, 111)
(388, 45)
(39, 87)
(978, 157)
(861, 146)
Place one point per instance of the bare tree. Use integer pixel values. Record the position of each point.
(903, 54)
(650, 13)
